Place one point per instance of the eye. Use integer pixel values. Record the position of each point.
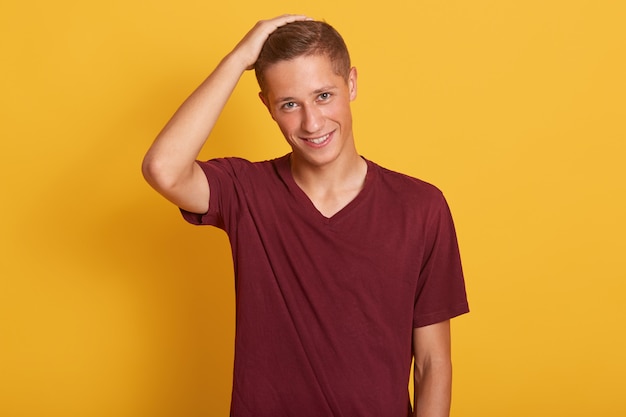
(324, 96)
(289, 105)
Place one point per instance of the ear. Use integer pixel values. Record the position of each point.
(263, 99)
(265, 102)
(352, 83)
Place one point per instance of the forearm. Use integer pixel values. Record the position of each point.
(175, 149)
(169, 165)
(433, 388)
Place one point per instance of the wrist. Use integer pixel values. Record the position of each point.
(241, 59)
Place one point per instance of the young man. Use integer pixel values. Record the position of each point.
(344, 270)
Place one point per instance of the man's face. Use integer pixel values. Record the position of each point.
(311, 105)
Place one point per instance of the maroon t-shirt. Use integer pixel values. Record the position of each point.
(326, 306)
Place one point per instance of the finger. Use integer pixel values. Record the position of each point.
(288, 18)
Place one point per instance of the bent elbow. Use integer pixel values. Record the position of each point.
(182, 184)
(157, 174)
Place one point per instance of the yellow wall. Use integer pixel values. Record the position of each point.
(110, 305)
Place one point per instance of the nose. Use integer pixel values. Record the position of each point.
(312, 120)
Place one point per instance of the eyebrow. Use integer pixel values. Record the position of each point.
(284, 100)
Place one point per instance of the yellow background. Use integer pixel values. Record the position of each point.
(110, 305)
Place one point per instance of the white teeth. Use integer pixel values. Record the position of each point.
(318, 140)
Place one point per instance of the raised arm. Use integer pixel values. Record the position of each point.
(169, 165)
(433, 370)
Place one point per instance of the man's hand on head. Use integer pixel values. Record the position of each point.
(249, 48)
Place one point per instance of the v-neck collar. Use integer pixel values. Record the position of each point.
(284, 170)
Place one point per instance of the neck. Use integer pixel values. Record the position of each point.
(331, 187)
(345, 173)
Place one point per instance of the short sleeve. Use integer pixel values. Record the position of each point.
(222, 175)
(440, 291)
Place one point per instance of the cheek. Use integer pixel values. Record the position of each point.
(340, 111)
(287, 123)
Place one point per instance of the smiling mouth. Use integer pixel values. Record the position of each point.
(318, 141)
